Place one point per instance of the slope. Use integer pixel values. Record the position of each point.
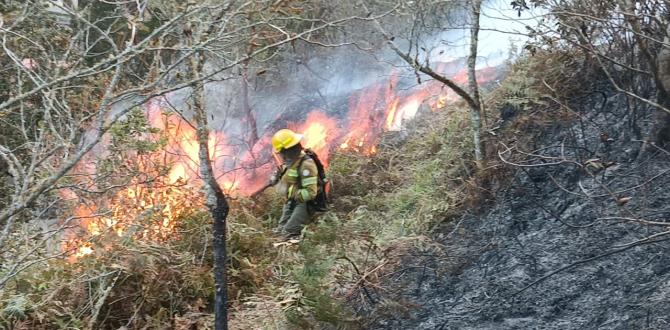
(569, 230)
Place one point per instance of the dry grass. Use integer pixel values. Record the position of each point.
(385, 206)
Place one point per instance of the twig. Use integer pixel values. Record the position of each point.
(647, 239)
(458, 224)
(362, 284)
(642, 221)
(508, 149)
(558, 217)
(101, 302)
(583, 261)
(637, 186)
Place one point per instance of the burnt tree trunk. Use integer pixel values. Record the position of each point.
(215, 199)
(218, 208)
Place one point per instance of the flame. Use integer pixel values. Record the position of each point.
(390, 118)
(84, 249)
(150, 207)
(319, 130)
(440, 103)
(182, 143)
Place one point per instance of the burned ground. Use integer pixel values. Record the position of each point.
(559, 245)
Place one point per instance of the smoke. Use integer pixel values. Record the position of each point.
(326, 79)
(339, 97)
(502, 30)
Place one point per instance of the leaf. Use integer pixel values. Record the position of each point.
(16, 306)
(595, 163)
(623, 200)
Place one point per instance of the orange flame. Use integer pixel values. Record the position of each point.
(319, 131)
(151, 210)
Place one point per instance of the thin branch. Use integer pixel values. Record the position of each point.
(583, 261)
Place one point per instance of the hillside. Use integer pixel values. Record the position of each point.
(572, 237)
(491, 164)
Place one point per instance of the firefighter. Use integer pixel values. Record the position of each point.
(296, 180)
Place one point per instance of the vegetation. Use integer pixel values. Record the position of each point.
(65, 92)
(309, 281)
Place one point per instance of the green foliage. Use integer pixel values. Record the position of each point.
(132, 150)
(389, 202)
(143, 279)
(312, 272)
(15, 307)
(347, 173)
(152, 282)
(250, 254)
(382, 203)
(521, 88)
(133, 134)
(431, 168)
(539, 79)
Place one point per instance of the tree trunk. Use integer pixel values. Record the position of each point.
(218, 207)
(475, 107)
(215, 198)
(660, 69)
(249, 116)
(661, 131)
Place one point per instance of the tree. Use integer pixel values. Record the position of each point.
(73, 71)
(627, 40)
(65, 91)
(612, 50)
(411, 57)
(215, 198)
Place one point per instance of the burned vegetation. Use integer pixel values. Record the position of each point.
(473, 183)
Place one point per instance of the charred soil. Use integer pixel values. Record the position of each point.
(575, 237)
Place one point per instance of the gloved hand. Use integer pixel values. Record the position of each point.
(275, 177)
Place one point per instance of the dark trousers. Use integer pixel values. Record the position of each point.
(294, 217)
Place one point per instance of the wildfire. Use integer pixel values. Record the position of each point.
(390, 118)
(139, 211)
(182, 144)
(319, 132)
(151, 209)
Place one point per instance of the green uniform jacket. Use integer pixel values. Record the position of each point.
(306, 174)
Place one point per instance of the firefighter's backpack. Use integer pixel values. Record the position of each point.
(322, 199)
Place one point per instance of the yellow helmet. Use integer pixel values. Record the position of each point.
(285, 138)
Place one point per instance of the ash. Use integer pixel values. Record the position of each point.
(540, 255)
